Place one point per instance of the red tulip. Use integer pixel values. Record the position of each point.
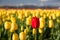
(35, 22)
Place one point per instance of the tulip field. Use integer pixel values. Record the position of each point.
(29, 24)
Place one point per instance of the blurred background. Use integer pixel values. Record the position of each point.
(38, 3)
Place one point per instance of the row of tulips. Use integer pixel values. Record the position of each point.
(28, 24)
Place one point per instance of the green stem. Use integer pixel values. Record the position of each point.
(10, 34)
(36, 35)
(29, 32)
(41, 37)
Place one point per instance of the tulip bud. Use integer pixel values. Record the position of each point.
(34, 31)
(4, 19)
(51, 24)
(40, 30)
(22, 36)
(26, 31)
(15, 36)
(22, 28)
(7, 25)
(58, 20)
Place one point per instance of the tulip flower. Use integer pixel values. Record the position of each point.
(35, 22)
(14, 27)
(51, 23)
(42, 22)
(22, 36)
(13, 19)
(15, 36)
(40, 30)
(35, 25)
(7, 25)
(28, 21)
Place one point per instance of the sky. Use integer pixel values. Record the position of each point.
(30, 2)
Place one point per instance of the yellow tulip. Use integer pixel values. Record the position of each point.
(44, 16)
(42, 22)
(13, 19)
(50, 17)
(33, 13)
(22, 36)
(53, 16)
(13, 11)
(34, 31)
(57, 14)
(26, 31)
(21, 16)
(22, 28)
(7, 25)
(41, 13)
(58, 20)
(14, 27)
(27, 13)
(40, 30)
(15, 36)
(51, 23)
(9, 17)
(0, 17)
(28, 21)
(48, 14)
(19, 11)
(4, 19)
(0, 14)
(9, 12)
(37, 13)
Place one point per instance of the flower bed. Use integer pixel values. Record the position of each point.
(28, 24)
